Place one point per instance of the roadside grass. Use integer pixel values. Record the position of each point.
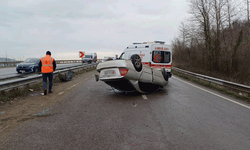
(12, 94)
(234, 93)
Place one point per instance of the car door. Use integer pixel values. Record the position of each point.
(146, 74)
(159, 60)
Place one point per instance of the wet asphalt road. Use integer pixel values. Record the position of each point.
(178, 117)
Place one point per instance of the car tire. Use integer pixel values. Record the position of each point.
(136, 61)
(19, 72)
(165, 74)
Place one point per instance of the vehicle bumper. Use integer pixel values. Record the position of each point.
(113, 78)
(111, 64)
(25, 70)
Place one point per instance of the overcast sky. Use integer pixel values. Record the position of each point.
(28, 28)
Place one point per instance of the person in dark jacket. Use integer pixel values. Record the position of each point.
(47, 66)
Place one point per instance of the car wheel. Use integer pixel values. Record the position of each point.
(136, 61)
(164, 73)
(18, 72)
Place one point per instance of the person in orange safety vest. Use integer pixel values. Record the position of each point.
(47, 66)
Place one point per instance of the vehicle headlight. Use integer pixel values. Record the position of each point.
(32, 66)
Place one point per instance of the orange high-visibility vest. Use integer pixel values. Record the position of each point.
(47, 64)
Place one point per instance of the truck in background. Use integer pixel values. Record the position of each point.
(89, 58)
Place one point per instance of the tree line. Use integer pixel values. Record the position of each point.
(215, 39)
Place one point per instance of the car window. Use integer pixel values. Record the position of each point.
(29, 60)
(161, 57)
(166, 56)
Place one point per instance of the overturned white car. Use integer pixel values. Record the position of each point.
(143, 67)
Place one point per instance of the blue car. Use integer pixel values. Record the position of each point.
(29, 65)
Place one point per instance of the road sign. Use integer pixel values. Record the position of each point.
(81, 54)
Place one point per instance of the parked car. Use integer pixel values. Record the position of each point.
(142, 67)
(29, 65)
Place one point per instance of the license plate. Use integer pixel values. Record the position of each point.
(109, 72)
(22, 71)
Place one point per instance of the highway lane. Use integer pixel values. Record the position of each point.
(181, 116)
(11, 72)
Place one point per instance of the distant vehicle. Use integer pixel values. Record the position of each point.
(143, 67)
(28, 65)
(89, 58)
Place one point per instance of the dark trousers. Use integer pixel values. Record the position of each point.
(45, 76)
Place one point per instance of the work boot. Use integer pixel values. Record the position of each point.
(50, 92)
(45, 92)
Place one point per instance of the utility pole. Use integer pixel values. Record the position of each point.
(6, 57)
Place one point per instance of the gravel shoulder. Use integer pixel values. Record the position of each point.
(23, 109)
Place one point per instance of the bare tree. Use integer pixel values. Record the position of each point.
(217, 39)
(183, 33)
(200, 9)
(219, 15)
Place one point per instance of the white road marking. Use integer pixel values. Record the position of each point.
(70, 87)
(144, 97)
(60, 93)
(214, 94)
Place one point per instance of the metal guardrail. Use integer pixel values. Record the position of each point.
(14, 63)
(7, 85)
(25, 81)
(231, 85)
(20, 76)
(9, 63)
(68, 61)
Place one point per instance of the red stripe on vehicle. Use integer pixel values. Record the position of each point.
(157, 66)
(153, 65)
